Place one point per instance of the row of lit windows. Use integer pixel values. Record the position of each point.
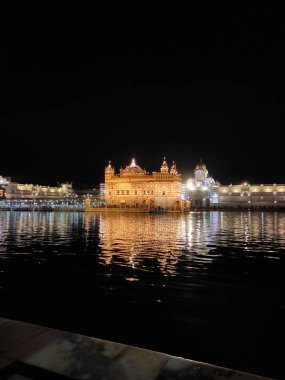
(256, 200)
(39, 189)
(123, 192)
(127, 192)
(254, 191)
(254, 194)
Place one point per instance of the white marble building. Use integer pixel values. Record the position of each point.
(204, 192)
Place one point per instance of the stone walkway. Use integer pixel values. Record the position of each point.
(30, 351)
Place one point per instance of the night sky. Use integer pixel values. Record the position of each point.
(208, 86)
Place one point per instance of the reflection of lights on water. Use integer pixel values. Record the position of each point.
(138, 238)
(147, 242)
(122, 239)
(189, 232)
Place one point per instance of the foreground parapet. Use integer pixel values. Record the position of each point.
(31, 351)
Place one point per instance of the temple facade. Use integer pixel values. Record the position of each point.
(134, 187)
(204, 192)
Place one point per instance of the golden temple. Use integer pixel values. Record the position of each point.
(135, 188)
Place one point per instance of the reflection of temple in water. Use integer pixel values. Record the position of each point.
(140, 241)
(145, 241)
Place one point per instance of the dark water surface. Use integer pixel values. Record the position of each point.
(209, 286)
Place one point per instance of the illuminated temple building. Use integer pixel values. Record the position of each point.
(203, 192)
(134, 187)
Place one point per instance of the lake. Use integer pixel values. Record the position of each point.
(208, 286)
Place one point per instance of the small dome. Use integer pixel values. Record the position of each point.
(132, 169)
(133, 165)
(201, 166)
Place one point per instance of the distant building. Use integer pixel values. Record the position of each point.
(102, 192)
(202, 190)
(135, 187)
(4, 182)
(14, 190)
(183, 191)
(90, 195)
(252, 196)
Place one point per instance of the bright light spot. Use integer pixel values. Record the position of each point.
(205, 188)
(190, 186)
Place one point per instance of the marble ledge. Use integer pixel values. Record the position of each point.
(28, 348)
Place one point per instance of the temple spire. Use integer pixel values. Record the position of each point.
(109, 170)
(173, 169)
(164, 167)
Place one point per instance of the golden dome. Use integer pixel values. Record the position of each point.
(201, 166)
(133, 165)
(132, 169)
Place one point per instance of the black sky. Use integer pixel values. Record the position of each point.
(208, 85)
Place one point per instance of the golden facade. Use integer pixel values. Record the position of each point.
(135, 187)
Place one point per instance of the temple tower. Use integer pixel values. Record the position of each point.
(173, 169)
(109, 171)
(164, 167)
